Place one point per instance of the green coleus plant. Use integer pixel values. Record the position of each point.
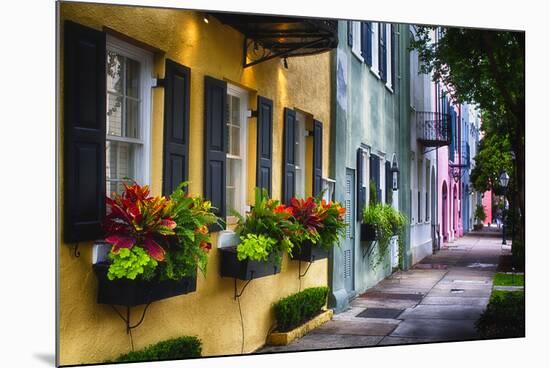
(255, 247)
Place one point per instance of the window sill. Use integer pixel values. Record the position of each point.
(227, 238)
(388, 88)
(373, 71)
(357, 55)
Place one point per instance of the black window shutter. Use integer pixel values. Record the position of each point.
(361, 192)
(176, 126)
(289, 163)
(84, 96)
(382, 51)
(215, 144)
(393, 56)
(264, 143)
(350, 33)
(317, 157)
(366, 42)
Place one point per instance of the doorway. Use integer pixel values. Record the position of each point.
(444, 220)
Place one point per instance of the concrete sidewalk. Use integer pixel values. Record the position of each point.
(439, 299)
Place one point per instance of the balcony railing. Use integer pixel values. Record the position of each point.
(433, 129)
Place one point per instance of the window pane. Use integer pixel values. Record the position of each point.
(132, 78)
(120, 163)
(132, 118)
(235, 110)
(114, 114)
(235, 141)
(233, 176)
(114, 71)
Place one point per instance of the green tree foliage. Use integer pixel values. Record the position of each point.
(486, 68)
(493, 157)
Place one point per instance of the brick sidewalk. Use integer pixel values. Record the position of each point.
(439, 299)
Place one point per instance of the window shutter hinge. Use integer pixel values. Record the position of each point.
(158, 82)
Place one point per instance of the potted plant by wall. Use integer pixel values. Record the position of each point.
(373, 218)
(157, 245)
(479, 216)
(266, 232)
(321, 223)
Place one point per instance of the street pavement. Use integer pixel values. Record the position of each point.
(437, 300)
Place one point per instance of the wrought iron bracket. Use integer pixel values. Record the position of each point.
(76, 251)
(127, 318)
(300, 274)
(267, 54)
(368, 249)
(239, 294)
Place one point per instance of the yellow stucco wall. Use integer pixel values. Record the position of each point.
(92, 333)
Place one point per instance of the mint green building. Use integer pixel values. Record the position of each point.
(371, 133)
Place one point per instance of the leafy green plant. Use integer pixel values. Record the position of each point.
(298, 308)
(320, 222)
(255, 247)
(333, 223)
(373, 193)
(160, 237)
(179, 348)
(479, 213)
(388, 222)
(131, 262)
(504, 316)
(189, 248)
(272, 220)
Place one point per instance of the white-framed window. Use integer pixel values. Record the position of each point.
(388, 56)
(129, 71)
(300, 155)
(237, 150)
(365, 179)
(356, 46)
(329, 186)
(375, 40)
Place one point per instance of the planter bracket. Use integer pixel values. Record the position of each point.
(368, 249)
(76, 251)
(238, 295)
(127, 318)
(300, 274)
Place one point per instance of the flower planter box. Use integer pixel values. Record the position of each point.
(368, 232)
(309, 252)
(246, 269)
(285, 338)
(136, 292)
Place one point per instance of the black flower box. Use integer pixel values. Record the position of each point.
(136, 292)
(308, 252)
(368, 232)
(246, 269)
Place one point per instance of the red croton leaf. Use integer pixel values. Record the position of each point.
(153, 249)
(120, 241)
(169, 223)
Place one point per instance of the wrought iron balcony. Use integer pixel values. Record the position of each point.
(433, 129)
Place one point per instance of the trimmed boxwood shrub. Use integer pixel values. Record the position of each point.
(298, 308)
(504, 316)
(178, 348)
